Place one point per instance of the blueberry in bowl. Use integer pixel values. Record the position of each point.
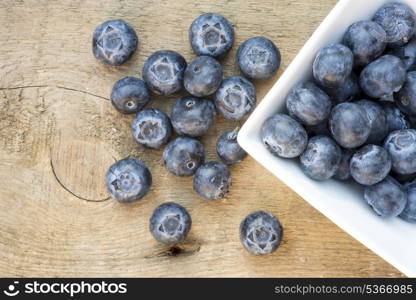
(401, 145)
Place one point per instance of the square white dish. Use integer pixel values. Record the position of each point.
(392, 239)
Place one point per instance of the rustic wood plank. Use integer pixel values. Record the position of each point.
(59, 133)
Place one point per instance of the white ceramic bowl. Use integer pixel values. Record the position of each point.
(392, 239)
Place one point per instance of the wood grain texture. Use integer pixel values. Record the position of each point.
(59, 133)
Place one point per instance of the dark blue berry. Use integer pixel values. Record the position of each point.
(343, 171)
(258, 58)
(383, 77)
(407, 54)
(387, 197)
(128, 180)
(283, 136)
(321, 158)
(308, 104)
(347, 91)
(406, 97)
(401, 145)
(332, 66)
(395, 118)
(320, 129)
(129, 95)
(114, 42)
(403, 178)
(235, 98)
(409, 212)
(349, 125)
(260, 233)
(399, 22)
(228, 148)
(163, 72)
(370, 165)
(211, 34)
(170, 223)
(192, 116)
(212, 180)
(151, 128)
(367, 41)
(378, 121)
(183, 156)
(203, 76)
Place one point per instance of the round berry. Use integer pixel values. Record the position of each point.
(129, 95)
(151, 128)
(347, 91)
(258, 58)
(128, 180)
(349, 125)
(203, 76)
(183, 156)
(370, 165)
(170, 223)
(114, 42)
(192, 116)
(395, 119)
(407, 53)
(409, 212)
(212, 180)
(332, 65)
(378, 121)
(163, 72)
(399, 22)
(283, 136)
(401, 145)
(235, 98)
(406, 97)
(228, 148)
(308, 104)
(367, 41)
(387, 197)
(321, 158)
(211, 34)
(260, 233)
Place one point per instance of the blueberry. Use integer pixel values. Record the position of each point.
(321, 158)
(409, 212)
(378, 121)
(129, 95)
(395, 118)
(367, 41)
(407, 54)
(235, 98)
(370, 165)
(114, 42)
(151, 128)
(258, 58)
(332, 66)
(399, 22)
(401, 145)
(349, 125)
(387, 197)
(283, 136)
(128, 180)
(192, 116)
(183, 156)
(308, 104)
(347, 91)
(406, 97)
(211, 34)
(343, 171)
(163, 72)
(228, 148)
(203, 76)
(383, 77)
(260, 233)
(170, 223)
(212, 180)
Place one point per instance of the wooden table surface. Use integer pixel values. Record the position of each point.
(59, 133)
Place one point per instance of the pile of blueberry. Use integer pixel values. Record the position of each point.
(166, 72)
(356, 118)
